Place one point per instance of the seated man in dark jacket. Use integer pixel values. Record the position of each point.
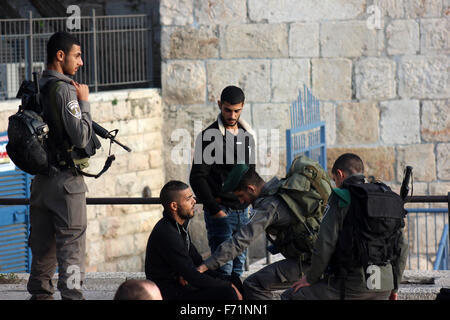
(171, 258)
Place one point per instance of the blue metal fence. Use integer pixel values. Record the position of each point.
(441, 261)
(15, 255)
(427, 234)
(307, 133)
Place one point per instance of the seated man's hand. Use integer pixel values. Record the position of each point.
(182, 281)
(202, 268)
(220, 214)
(300, 284)
(393, 296)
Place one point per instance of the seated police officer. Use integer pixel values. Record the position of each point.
(58, 199)
(360, 250)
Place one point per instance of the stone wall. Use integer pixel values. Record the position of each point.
(380, 69)
(117, 235)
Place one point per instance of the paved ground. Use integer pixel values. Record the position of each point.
(417, 285)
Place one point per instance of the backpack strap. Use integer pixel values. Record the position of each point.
(316, 177)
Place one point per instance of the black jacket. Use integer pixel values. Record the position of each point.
(207, 178)
(170, 254)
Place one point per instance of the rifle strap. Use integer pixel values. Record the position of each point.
(108, 163)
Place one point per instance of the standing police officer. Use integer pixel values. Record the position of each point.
(58, 200)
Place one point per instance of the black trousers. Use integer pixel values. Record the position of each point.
(188, 292)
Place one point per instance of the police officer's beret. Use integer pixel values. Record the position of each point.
(234, 177)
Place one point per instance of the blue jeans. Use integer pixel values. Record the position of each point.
(221, 229)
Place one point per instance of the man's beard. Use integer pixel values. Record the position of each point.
(227, 122)
(186, 215)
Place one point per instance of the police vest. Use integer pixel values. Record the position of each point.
(61, 152)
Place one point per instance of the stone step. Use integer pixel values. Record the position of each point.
(416, 284)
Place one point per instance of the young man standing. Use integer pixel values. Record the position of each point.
(227, 141)
(58, 199)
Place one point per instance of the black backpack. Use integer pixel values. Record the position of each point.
(28, 132)
(371, 229)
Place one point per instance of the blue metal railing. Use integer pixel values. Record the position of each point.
(441, 262)
(307, 133)
(419, 222)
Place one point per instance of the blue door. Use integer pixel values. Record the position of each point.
(15, 255)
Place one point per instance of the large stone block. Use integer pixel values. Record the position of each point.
(350, 39)
(375, 78)
(271, 117)
(443, 161)
(378, 162)
(390, 8)
(328, 114)
(424, 77)
(304, 40)
(402, 37)
(435, 36)
(421, 157)
(146, 106)
(435, 120)
(357, 123)
(332, 79)
(422, 8)
(439, 188)
(254, 41)
(400, 121)
(115, 248)
(183, 82)
(288, 77)
(176, 12)
(212, 12)
(127, 264)
(273, 11)
(252, 76)
(179, 135)
(189, 42)
(95, 252)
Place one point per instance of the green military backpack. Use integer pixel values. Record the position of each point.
(305, 190)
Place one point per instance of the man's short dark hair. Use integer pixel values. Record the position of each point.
(350, 163)
(133, 289)
(60, 41)
(251, 177)
(169, 192)
(232, 95)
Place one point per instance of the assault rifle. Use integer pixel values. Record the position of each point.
(105, 134)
